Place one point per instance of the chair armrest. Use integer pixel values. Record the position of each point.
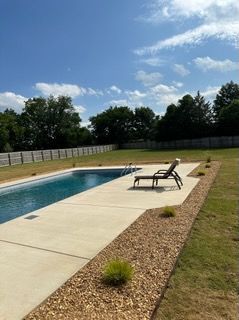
(161, 170)
(159, 173)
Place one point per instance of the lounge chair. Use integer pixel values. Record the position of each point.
(170, 173)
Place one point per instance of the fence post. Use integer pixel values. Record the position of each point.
(9, 159)
(51, 154)
(33, 159)
(66, 153)
(21, 157)
(42, 155)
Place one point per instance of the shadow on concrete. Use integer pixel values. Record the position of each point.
(156, 189)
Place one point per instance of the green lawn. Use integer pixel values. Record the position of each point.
(117, 157)
(204, 285)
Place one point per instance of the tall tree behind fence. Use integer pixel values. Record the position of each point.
(12, 158)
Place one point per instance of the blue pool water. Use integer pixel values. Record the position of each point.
(23, 198)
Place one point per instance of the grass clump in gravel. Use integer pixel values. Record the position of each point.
(168, 212)
(207, 166)
(117, 272)
(209, 159)
(201, 173)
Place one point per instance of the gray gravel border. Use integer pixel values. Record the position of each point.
(152, 244)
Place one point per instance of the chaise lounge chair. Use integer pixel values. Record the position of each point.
(170, 173)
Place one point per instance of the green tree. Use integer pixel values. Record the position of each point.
(51, 123)
(114, 125)
(202, 117)
(190, 118)
(85, 137)
(143, 123)
(166, 127)
(225, 96)
(11, 131)
(228, 119)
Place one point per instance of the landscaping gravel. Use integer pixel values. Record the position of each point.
(152, 244)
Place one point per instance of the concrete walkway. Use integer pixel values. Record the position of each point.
(39, 255)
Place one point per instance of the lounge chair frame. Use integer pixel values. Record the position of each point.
(170, 173)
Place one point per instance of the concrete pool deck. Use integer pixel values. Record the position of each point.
(39, 255)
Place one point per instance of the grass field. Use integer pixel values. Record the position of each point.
(204, 285)
(117, 157)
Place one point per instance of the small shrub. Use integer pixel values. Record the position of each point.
(34, 174)
(209, 159)
(168, 212)
(201, 173)
(166, 162)
(207, 166)
(73, 165)
(99, 165)
(117, 272)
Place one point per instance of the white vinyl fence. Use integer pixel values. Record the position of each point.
(12, 158)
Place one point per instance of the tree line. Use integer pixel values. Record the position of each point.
(191, 117)
(52, 123)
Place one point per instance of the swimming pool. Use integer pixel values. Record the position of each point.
(23, 198)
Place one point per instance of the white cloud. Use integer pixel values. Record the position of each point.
(59, 89)
(114, 89)
(93, 92)
(10, 99)
(133, 99)
(166, 99)
(210, 92)
(222, 31)
(217, 19)
(163, 89)
(153, 62)
(148, 79)
(65, 89)
(136, 94)
(159, 95)
(178, 84)
(85, 123)
(207, 64)
(181, 70)
(79, 109)
(119, 102)
(176, 9)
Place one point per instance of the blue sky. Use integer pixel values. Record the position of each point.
(128, 52)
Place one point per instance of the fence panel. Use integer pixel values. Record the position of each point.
(46, 155)
(4, 159)
(80, 151)
(13, 158)
(206, 142)
(27, 157)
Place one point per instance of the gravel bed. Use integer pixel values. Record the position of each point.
(152, 244)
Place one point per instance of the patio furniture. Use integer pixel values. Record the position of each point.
(170, 173)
